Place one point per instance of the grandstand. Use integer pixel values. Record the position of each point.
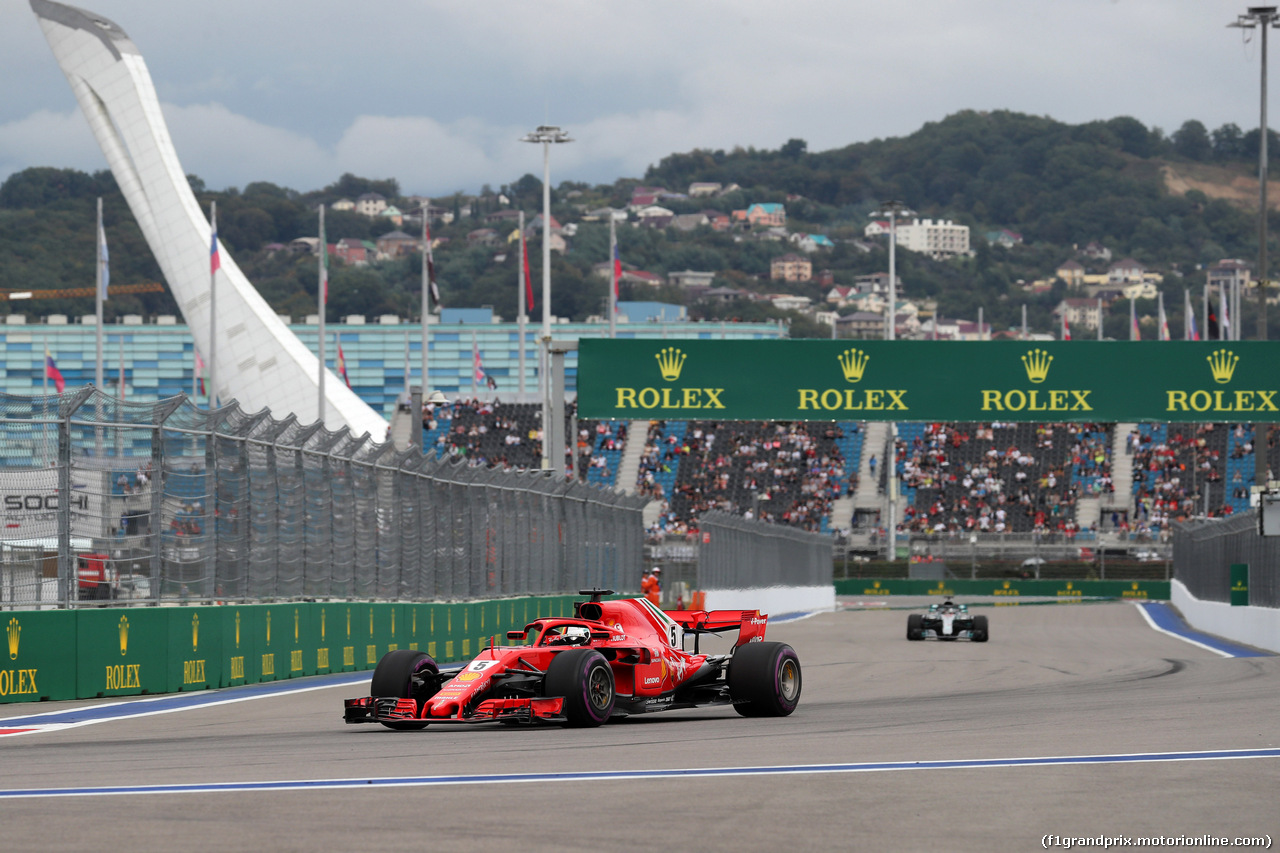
(1073, 480)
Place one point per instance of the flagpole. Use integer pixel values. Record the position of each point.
(1204, 308)
(475, 367)
(213, 307)
(613, 277)
(522, 315)
(1099, 318)
(1024, 320)
(322, 297)
(426, 299)
(98, 378)
(1133, 319)
(1225, 332)
(1161, 332)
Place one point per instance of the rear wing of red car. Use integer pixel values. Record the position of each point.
(751, 624)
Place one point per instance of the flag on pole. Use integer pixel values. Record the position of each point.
(199, 371)
(51, 371)
(528, 282)
(1164, 323)
(214, 261)
(1066, 328)
(1213, 332)
(1193, 332)
(342, 366)
(475, 357)
(617, 266)
(431, 263)
(1226, 314)
(103, 257)
(1135, 333)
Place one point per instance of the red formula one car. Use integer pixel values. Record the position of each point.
(611, 659)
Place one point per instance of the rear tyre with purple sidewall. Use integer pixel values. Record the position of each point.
(585, 680)
(764, 680)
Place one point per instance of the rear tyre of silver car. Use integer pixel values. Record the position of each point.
(764, 680)
(980, 630)
(915, 626)
(393, 677)
(585, 680)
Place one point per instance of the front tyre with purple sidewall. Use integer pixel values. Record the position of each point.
(394, 677)
(585, 680)
(764, 680)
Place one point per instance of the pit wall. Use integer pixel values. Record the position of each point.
(1065, 590)
(1253, 626)
(125, 651)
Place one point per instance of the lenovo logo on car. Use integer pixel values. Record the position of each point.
(650, 682)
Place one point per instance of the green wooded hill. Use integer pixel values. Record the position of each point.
(1175, 203)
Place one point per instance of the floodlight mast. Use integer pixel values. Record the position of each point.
(1261, 18)
(547, 135)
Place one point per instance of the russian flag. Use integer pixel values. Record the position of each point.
(1195, 332)
(342, 366)
(51, 371)
(214, 261)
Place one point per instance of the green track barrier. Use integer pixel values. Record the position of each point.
(195, 648)
(239, 659)
(1065, 590)
(40, 663)
(122, 651)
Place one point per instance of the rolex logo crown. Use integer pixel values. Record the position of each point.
(1037, 363)
(670, 362)
(15, 634)
(853, 362)
(1223, 363)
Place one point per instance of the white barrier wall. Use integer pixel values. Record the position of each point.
(1253, 626)
(774, 601)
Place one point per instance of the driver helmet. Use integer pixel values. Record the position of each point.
(657, 570)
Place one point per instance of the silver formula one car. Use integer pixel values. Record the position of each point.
(947, 621)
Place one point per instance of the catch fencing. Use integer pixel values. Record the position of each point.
(1203, 551)
(731, 552)
(104, 500)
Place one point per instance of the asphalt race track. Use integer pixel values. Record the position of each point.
(1133, 733)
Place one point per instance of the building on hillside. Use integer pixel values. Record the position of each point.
(791, 267)
(482, 237)
(370, 204)
(725, 294)
(876, 228)
(860, 325)
(704, 188)
(397, 243)
(790, 302)
(938, 240)
(876, 282)
(840, 295)
(651, 279)
(353, 251)
(1004, 237)
(718, 220)
(770, 213)
(690, 278)
(689, 221)
(1230, 273)
(810, 243)
(1127, 271)
(1095, 251)
(392, 213)
(1071, 272)
(1080, 313)
(343, 204)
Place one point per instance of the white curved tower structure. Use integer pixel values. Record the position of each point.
(260, 362)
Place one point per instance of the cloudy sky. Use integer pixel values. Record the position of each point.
(435, 94)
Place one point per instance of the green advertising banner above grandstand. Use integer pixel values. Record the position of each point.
(820, 380)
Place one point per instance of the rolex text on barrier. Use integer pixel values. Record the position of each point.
(1006, 591)
(37, 664)
(786, 380)
(122, 651)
